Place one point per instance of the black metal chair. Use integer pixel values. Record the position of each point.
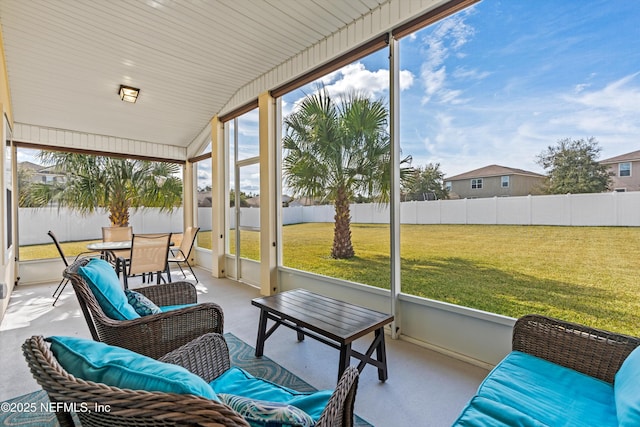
(64, 281)
(181, 254)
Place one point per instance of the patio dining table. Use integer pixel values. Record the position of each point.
(107, 249)
(109, 246)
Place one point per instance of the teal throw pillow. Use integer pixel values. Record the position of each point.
(239, 382)
(105, 285)
(260, 413)
(141, 304)
(118, 367)
(626, 389)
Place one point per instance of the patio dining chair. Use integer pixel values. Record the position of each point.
(63, 283)
(117, 234)
(153, 335)
(181, 254)
(148, 255)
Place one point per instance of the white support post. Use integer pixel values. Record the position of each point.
(268, 195)
(218, 199)
(394, 113)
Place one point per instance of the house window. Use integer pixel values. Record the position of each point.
(447, 186)
(476, 183)
(504, 182)
(624, 169)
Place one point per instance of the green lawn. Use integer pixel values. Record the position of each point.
(584, 274)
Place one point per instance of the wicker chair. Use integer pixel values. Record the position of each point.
(154, 335)
(208, 357)
(593, 352)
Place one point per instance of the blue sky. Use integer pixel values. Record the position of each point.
(503, 80)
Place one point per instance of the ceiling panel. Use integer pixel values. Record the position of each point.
(67, 58)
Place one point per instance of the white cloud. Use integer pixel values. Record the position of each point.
(448, 37)
(467, 74)
(355, 77)
(617, 95)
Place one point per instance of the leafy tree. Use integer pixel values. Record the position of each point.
(242, 197)
(335, 149)
(25, 176)
(116, 184)
(572, 167)
(425, 180)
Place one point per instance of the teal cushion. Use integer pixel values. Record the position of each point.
(240, 383)
(118, 367)
(627, 390)
(550, 394)
(105, 285)
(483, 412)
(166, 308)
(260, 413)
(141, 304)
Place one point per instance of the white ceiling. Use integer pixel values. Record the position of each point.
(67, 58)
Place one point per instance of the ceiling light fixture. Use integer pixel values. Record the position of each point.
(128, 93)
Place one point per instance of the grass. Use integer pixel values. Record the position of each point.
(583, 274)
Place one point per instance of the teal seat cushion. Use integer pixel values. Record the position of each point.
(105, 285)
(118, 367)
(627, 390)
(166, 308)
(550, 394)
(141, 304)
(483, 412)
(261, 413)
(238, 382)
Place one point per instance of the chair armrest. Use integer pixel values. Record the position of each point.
(175, 251)
(158, 334)
(339, 409)
(174, 293)
(594, 352)
(206, 356)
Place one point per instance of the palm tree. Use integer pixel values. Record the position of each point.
(94, 182)
(336, 150)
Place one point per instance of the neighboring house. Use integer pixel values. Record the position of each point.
(44, 174)
(204, 199)
(625, 171)
(494, 180)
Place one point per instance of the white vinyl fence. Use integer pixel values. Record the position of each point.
(598, 209)
(67, 225)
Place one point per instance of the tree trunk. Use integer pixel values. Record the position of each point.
(119, 214)
(342, 247)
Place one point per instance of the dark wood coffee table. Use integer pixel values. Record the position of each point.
(330, 321)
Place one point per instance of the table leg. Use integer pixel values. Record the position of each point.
(381, 354)
(345, 359)
(300, 334)
(262, 329)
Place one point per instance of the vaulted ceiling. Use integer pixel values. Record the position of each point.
(191, 59)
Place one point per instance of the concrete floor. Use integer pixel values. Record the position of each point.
(425, 388)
